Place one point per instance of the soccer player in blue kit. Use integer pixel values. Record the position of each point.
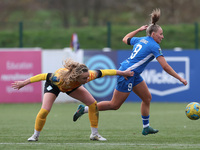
(145, 49)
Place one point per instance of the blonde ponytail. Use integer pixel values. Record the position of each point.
(153, 27)
(155, 16)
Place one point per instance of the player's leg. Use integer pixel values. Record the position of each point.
(48, 100)
(84, 96)
(142, 91)
(50, 94)
(115, 103)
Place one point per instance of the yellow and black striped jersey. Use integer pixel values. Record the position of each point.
(54, 78)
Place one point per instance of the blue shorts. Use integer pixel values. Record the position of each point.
(124, 85)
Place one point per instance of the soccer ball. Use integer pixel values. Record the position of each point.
(192, 110)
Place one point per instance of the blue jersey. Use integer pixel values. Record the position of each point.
(145, 49)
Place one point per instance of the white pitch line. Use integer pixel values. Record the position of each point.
(115, 144)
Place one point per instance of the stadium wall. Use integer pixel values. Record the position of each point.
(18, 64)
(163, 87)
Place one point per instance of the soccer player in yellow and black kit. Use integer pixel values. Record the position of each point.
(69, 80)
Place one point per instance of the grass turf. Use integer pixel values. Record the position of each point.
(122, 128)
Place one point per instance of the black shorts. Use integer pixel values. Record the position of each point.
(49, 87)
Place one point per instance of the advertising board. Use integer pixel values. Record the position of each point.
(16, 65)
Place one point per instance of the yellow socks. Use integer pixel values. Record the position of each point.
(93, 115)
(41, 119)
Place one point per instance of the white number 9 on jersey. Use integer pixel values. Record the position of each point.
(136, 50)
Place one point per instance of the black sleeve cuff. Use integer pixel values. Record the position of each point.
(129, 41)
(99, 73)
(49, 75)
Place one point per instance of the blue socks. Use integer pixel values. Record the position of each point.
(145, 120)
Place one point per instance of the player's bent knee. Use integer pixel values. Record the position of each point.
(42, 113)
(147, 100)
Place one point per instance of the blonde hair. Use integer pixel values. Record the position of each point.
(74, 70)
(153, 27)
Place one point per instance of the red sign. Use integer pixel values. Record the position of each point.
(18, 65)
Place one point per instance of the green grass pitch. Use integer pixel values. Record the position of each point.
(122, 128)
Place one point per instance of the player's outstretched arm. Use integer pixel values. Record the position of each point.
(113, 72)
(19, 84)
(170, 70)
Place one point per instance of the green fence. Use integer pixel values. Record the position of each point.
(39, 34)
